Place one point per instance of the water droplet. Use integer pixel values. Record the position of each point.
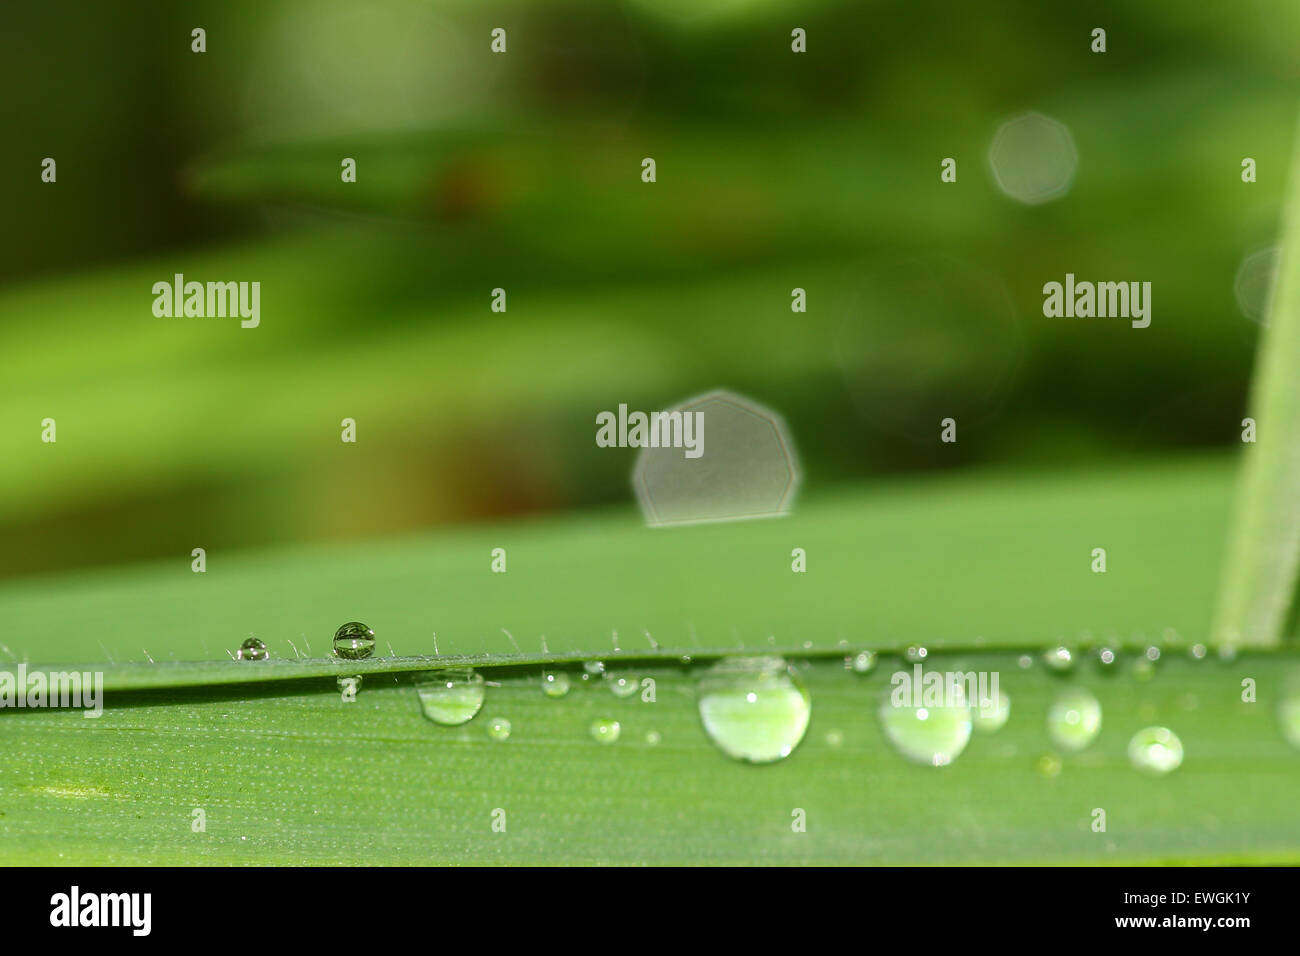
(451, 697)
(1025, 662)
(834, 738)
(592, 669)
(934, 735)
(605, 731)
(991, 715)
(1059, 658)
(652, 738)
(1074, 719)
(1152, 653)
(1288, 715)
(1049, 765)
(916, 654)
(622, 686)
(1198, 651)
(862, 662)
(354, 641)
(253, 650)
(1106, 657)
(754, 708)
(498, 728)
(1155, 750)
(555, 683)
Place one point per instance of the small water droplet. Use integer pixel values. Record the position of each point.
(862, 662)
(934, 735)
(991, 715)
(451, 697)
(754, 708)
(592, 669)
(1059, 658)
(498, 728)
(1152, 653)
(622, 685)
(604, 730)
(916, 654)
(1049, 765)
(555, 683)
(354, 641)
(834, 738)
(253, 650)
(1074, 719)
(652, 738)
(1025, 662)
(1106, 657)
(1155, 750)
(1198, 651)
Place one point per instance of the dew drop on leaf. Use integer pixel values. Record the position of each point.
(754, 708)
(623, 685)
(451, 697)
(991, 715)
(555, 683)
(498, 728)
(253, 650)
(1155, 750)
(933, 735)
(1074, 719)
(604, 731)
(354, 641)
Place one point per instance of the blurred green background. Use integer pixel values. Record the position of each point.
(522, 171)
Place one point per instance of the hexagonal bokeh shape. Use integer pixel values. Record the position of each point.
(1033, 158)
(747, 467)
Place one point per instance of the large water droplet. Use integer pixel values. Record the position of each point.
(863, 661)
(498, 728)
(604, 730)
(354, 641)
(935, 734)
(1059, 658)
(1155, 750)
(253, 650)
(622, 685)
(754, 708)
(451, 697)
(991, 715)
(1074, 719)
(555, 683)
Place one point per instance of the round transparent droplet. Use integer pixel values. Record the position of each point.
(604, 731)
(555, 683)
(451, 697)
(1198, 652)
(720, 457)
(354, 641)
(754, 708)
(1074, 720)
(915, 654)
(498, 728)
(927, 732)
(622, 685)
(1106, 657)
(991, 715)
(1048, 765)
(1155, 750)
(1033, 159)
(862, 662)
(253, 650)
(593, 668)
(1059, 658)
(653, 737)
